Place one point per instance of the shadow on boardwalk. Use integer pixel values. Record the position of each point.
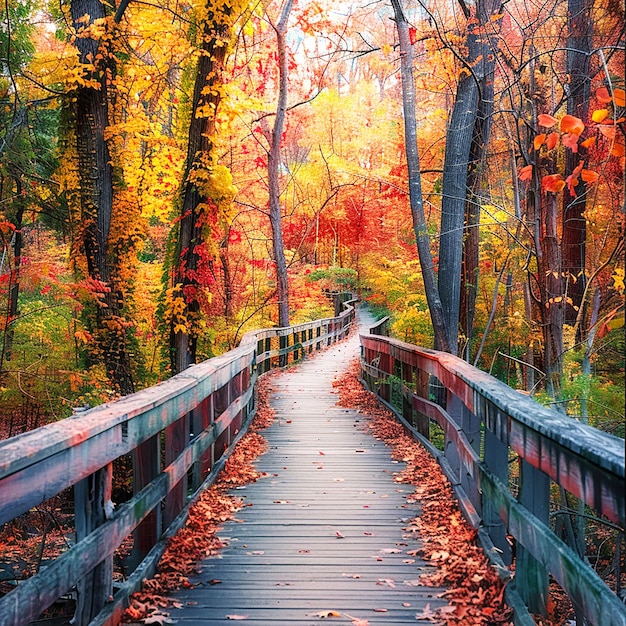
(322, 534)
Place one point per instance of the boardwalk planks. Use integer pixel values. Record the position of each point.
(324, 530)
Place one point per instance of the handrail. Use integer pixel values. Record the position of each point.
(178, 434)
(487, 425)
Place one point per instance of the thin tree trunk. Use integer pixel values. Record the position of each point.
(415, 182)
(273, 166)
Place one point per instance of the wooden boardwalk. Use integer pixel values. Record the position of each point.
(324, 531)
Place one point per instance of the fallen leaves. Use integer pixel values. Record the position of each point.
(198, 538)
(475, 593)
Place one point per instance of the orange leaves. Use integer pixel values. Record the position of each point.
(572, 125)
(618, 98)
(552, 140)
(526, 173)
(539, 141)
(553, 183)
(570, 140)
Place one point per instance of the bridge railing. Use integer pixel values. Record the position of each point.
(504, 453)
(175, 434)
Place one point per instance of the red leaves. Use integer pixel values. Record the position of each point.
(553, 183)
(547, 121)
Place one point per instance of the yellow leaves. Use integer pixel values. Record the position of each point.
(618, 280)
(599, 115)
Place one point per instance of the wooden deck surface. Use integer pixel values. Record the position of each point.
(324, 531)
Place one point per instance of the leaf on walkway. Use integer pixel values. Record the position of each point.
(236, 617)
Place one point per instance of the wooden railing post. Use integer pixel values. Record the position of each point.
(92, 497)
(531, 578)
(496, 458)
(146, 466)
(454, 408)
(422, 386)
(176, 440)
(202, 418)
(283, 343)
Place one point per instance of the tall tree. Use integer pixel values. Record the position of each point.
(415, 182)
(205, 185)
(468, 131)
(273, 166)
(89, 110)
(574, 227)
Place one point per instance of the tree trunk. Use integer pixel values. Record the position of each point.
(415, 182)
(574, 228)
(273, 165)
(461, 135)
(192, 233)
(96, 198)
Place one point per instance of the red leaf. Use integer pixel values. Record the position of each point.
(570, 140)
(553, 183)
(547, 121)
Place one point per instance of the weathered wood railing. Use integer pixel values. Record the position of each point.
(491, 432)
(176, 434)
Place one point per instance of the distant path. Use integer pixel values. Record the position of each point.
(324, 530)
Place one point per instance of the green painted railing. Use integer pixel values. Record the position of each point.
(177, 434)
(494, 438)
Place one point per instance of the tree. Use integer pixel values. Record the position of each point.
(96, 257)
(206, 187)
(273, 166)
(415, 184)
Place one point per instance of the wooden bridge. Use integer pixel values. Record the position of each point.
(176, 433)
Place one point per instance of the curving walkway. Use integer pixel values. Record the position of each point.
(322, 536)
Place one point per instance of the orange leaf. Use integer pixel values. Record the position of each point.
(552, 140)
(588, 142)
(603, 95)
(547, 121)
(619, 97)
(617, 150)
(539, 141)
(589, 176)
(526, 172)
(607, 131)
(572, 124)
(570, 141)
(553, 183)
